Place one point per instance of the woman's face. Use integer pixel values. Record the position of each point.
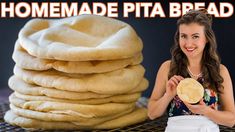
(192, 39)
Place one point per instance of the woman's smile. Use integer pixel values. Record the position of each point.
(190, 50)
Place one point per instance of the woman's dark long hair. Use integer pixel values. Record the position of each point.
(210, 59)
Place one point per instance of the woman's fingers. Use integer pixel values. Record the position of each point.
(176, 79)
(179, 78)
(172, 84)
(202, 102)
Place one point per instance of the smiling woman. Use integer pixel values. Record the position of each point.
(192, 39)
(194, 55)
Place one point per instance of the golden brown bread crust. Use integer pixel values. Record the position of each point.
(189, 90)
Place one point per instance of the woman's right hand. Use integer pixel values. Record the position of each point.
(171, 85)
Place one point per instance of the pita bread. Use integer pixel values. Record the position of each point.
(80, 38)
(43, 116)
(20, 86)
(26, 61)
(138, 115)
(125, 98)
(16, 120)
(104, 83)
(83, 110)
(190, 90)
(40, 93)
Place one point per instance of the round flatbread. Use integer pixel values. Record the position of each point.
(190, 90)
(123, 98)
(22, 87)
(137, 116)
(33, 124)
(82, 121)
(26, 61)
(80, 38)
(82, 110)
(115, 82)
(37, 93)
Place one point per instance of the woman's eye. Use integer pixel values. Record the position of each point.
(195, 37)
(182, 36)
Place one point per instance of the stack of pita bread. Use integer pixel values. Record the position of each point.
(82, 72)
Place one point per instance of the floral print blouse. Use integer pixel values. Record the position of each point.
(177, 107)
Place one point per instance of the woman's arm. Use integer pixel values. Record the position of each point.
(164, 91)
(157, 102)
(226, 116)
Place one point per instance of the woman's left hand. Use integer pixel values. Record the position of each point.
(200, 108)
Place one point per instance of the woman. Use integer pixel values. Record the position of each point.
(194, 55)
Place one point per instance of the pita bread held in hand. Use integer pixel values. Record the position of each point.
(80, 38)
(190, 90)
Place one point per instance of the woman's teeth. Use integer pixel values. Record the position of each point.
(190, 49)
